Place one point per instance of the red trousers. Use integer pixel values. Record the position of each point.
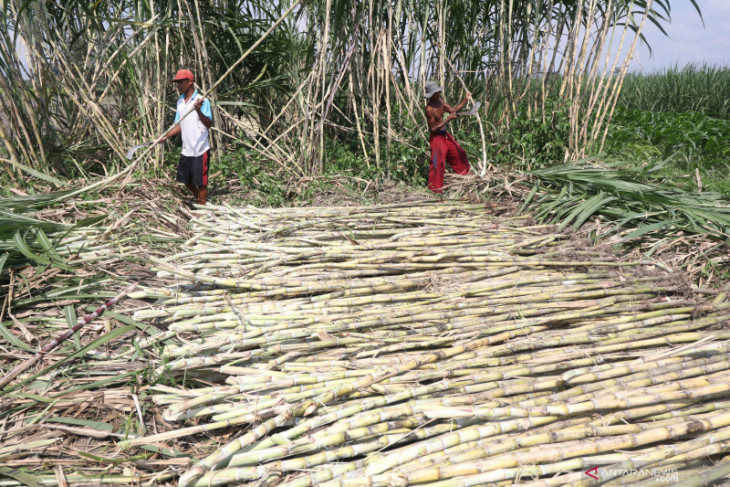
(445, 148)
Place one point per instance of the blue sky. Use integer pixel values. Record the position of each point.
(688, 40)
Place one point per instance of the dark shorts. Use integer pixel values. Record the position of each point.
(193, 169)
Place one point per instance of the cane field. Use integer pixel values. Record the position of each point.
(558, 316)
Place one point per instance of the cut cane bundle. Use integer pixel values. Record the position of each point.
(401, 344)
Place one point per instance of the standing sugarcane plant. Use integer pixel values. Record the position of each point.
(83, 81)
(521, 58)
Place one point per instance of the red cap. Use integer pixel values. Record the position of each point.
(184, 74)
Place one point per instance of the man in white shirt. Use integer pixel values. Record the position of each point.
(195, 118)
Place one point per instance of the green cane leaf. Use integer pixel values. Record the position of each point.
(27, 252)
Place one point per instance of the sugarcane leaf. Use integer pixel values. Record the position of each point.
(114, 334)
(260, 75)
(635, 215)
(659, 165)
(655, 246)
(27, 252)
(3, 259)
(144, 327)
(47, 245)
(21, 476)
(70, 314)
(33, 397)
(566, 212)
(163, 451)
(29, 202)
(234, 103)
(529, 198)
(545, 211)
(72, 291)
(34, 173)
(86, 222)
(97, 385)
(591, 209)
(41, 299)
(650, 228)
(13, 340)
(99, 425)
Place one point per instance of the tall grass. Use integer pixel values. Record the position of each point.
(676, 121)
(703, 88)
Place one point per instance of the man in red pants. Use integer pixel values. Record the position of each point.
(443, 146)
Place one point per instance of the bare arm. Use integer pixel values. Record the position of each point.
(435, 117)
(203, 118)
(454, 110)
(462, 104)
(172, 133)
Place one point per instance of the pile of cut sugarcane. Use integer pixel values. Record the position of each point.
(428, 344)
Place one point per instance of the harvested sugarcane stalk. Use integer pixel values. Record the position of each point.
(395, 345)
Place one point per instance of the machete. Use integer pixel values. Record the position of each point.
(472, 111)
(132, 150)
